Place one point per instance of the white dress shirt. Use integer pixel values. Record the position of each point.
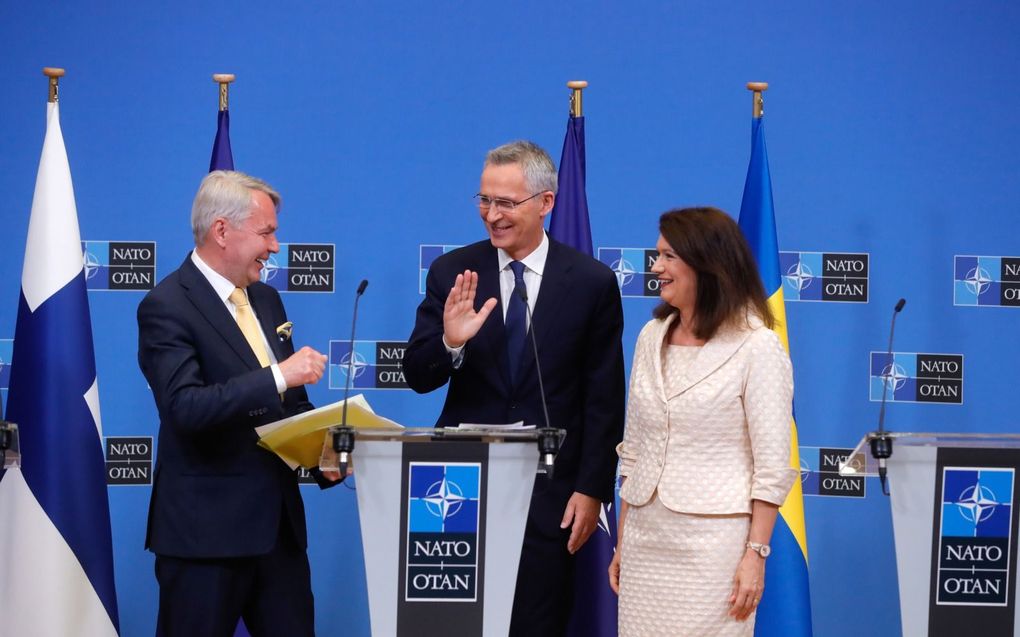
(224, 289)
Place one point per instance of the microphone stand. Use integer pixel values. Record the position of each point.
(881, 442)
(549, 439)
(343, 436)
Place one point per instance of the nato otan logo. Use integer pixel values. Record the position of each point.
(427, 253)
(633, 269)
(301, 267)
(986, 281)
(443, 508)
(6, 353)
(119, 265)
(909, 377)
(975, 536)
(825, 276)
(376, 364)
(819, 472)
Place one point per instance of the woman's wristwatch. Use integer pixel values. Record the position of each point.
(764, 550)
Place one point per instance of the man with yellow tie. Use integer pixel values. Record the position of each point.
(226, 521)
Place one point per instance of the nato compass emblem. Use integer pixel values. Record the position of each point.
(443, 513)
(987, 281)
(624, 272)
(893, 377)
(799, 277)
(976, 503)
(92, 265)
(975, 533)
(271, 269)
(444, 499)
(355, 368)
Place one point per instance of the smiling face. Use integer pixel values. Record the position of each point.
(519, 231)
(247, 247)
(678, 282)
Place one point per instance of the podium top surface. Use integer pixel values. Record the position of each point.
(860, 463)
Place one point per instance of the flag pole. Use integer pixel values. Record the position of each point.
(576, 87)
(757, 88)
(224, 80)
(54, 74)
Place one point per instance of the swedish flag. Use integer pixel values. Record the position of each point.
(785, 609)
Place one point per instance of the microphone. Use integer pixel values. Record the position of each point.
(881, 442)
(549, 439)
(343, 436)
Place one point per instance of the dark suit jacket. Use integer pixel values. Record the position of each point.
(215, 492)
(578, 322)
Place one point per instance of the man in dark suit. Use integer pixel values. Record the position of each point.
(226, 521)
(489, 364)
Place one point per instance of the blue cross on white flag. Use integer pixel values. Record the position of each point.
(56, 556)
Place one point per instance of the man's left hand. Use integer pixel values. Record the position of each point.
(582, 515)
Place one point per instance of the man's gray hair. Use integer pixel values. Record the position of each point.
(539, 170)
(227, 194)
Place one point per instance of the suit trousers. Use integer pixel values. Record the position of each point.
(207, 597)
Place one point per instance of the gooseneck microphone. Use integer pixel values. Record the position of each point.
(881, 442)
(548, 438)
(343, 436)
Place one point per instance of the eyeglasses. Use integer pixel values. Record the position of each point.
(502, 205)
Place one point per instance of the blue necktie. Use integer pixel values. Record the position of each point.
(516, 321)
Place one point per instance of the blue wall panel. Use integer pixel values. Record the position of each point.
(891, 130)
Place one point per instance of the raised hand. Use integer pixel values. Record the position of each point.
(460, 320)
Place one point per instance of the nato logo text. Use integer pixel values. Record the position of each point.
(427, 253)
(301, 267)
(376, 364)
(633, 268)
(986, 281)
(442, 531)
(119, 265)
(128, 460)
(975, 536)
(819, 472)
(825, 276)
(909, 377)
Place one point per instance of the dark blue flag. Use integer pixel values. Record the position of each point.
(594, 612)
(568, 222)
(222, 158)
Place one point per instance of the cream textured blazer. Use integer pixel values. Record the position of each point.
(723, 437)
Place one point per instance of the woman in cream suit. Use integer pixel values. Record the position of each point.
(706, 454)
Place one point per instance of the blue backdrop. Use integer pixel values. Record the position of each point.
(891, 129)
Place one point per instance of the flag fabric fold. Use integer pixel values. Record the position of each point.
(785, 609)
(595, 612)
(56, 552)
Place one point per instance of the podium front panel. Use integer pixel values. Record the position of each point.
(442, 525)
(955, 522)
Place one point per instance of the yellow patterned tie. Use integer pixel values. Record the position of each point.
(249, 326)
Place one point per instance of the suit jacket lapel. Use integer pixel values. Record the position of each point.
(719, 349)
(493, 330)
(555, 288)
(203, 297)
(266, 321)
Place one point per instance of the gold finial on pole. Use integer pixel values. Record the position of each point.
(224, 80)
(54, 75)
(759, 104)
(575, 97)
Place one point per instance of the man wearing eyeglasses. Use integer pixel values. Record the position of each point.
(471, 331)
